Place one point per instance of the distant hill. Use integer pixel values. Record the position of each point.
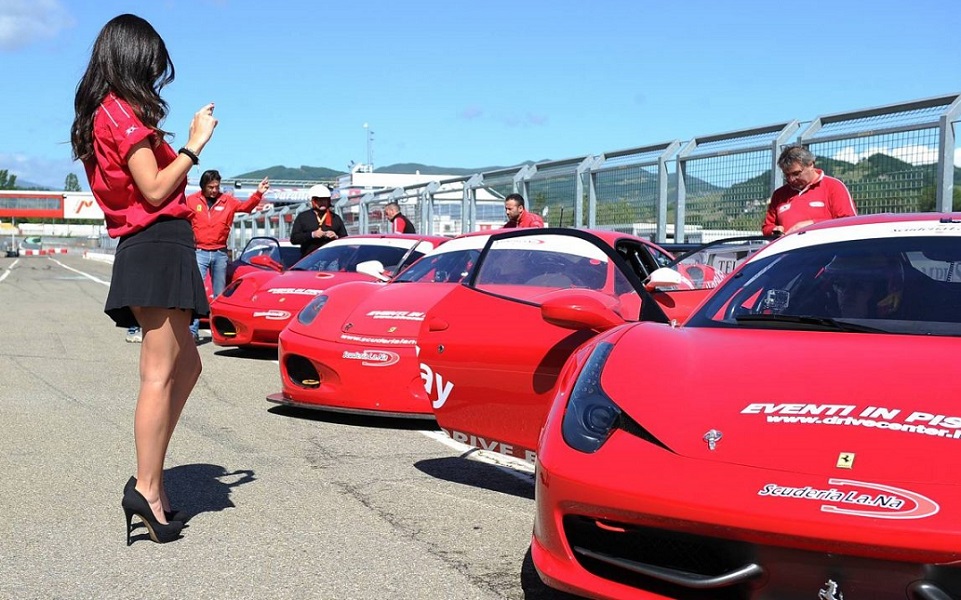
(324, 174)
(23, 184)
(432, 170)
(303, 172)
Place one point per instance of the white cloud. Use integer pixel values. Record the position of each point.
(957, 157)
(23, 22)
(49, 173)
(915, 155)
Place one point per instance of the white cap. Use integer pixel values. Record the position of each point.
(319, 191)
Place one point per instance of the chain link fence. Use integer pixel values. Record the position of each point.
(896, 158)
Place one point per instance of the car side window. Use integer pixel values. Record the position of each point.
(530, 267)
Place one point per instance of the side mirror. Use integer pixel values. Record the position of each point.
(262, 260)
(374, 268)
(579, 310)
(666, 278)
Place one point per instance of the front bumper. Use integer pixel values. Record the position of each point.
(636, 521)
(346, 377)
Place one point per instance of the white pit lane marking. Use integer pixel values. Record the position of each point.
(6, 271)
(87, 275)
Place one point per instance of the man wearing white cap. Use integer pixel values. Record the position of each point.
(315, 227)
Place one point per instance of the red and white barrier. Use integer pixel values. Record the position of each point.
(43, 251)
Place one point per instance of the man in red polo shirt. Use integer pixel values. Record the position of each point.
(212, 215)
(517, 216)
(808, 196)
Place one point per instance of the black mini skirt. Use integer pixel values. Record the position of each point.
(156, 267)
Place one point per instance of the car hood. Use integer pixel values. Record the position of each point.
(397, 309)
(882, 405)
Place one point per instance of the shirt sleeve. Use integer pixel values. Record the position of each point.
(249, 204)
(123, 126)
(770, 218)
(841, 203)
(299, 232)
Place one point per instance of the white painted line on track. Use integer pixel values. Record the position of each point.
(521, 469)
(7, 270)
(87, 275)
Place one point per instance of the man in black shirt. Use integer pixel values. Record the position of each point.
(315, 227)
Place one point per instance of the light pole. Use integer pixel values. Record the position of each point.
(370, 148)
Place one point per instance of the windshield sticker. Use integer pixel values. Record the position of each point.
(859, 499)
(373, 358)
(400, 315)
(851, 415)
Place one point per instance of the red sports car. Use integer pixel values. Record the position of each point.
(487, 353)
(793, 438)
(255, 308)
(352, 348)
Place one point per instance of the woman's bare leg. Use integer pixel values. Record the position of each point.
(169, 368)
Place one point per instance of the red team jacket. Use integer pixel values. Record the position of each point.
(212, 225)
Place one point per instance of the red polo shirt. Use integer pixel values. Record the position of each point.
(527, 219)
(116, 129)
(212, 224)
(825, 198)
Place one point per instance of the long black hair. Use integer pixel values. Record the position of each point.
(129, 59)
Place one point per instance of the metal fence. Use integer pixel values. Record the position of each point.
(895, 158)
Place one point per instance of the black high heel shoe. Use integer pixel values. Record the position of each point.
(134, 503)
(170, 515)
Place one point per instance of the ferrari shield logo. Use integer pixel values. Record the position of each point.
(391, 329)
(846, 460)
(830, 591)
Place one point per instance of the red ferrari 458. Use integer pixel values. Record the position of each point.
(794, 437)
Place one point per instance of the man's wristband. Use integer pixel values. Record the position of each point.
(189, 154)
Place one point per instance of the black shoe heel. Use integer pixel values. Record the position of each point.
(170, 515)
(135, 504)
(129, 514)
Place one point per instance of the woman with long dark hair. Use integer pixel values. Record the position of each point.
(138, 180)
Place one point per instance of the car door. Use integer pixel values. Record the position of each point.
(489, 360)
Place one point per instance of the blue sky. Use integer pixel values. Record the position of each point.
(473, 84)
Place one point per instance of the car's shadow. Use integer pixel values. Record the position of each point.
(249, 353)
(496, 478)
(367, 421)
(534, 588)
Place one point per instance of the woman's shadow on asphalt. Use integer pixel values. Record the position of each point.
(207, 486)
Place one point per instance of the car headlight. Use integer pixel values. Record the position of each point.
(591, 415)
(307, 315)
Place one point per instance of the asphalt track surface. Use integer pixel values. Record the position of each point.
(286, 503)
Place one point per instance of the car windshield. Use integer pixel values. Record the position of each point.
(908, 285)
(346, 257)
(442, 267)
